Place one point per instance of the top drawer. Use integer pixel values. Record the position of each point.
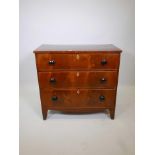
(47, 62)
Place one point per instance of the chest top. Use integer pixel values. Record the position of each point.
(46, 48)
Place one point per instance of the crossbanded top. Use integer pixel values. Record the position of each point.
(77, 48)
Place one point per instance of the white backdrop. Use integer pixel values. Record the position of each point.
(76, 22)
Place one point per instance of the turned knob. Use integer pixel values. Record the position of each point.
(52, 80)
(51, 62)
(103, 80)
(54, 98)
(102, 98)
(103, 61)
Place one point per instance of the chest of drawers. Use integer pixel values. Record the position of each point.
(78, 78)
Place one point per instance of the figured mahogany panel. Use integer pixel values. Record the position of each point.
(79, 79)
(78, 98)
(77, 61)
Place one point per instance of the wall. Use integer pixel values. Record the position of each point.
(76, 22)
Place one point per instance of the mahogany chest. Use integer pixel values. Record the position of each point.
(78, 78)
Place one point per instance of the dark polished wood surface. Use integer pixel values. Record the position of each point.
(75, 48)
(81, 98)
(78, 79)
(81, 78)
(73, 61)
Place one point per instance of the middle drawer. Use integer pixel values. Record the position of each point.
(78, 79)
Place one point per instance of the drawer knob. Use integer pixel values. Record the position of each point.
(102, 98)
(103, 61)
(54, 98)
(103, 80)
(52, 80)
(51, 62)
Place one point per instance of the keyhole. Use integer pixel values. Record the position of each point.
(77, 74)
(77, 56)
(78, 91)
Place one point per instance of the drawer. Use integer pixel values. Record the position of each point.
(47, 62)
(79, 98)
(80, 79)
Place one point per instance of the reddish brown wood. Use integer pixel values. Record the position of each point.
(76, 48)
(112, 112)
(73, 61)
(81, 98)
(44, 112)
(72, 80)
(77, 79)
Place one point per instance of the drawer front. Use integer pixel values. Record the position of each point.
(78, 98)
(47, 62)
(78, 79)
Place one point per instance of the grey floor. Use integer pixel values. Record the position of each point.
(88, 134)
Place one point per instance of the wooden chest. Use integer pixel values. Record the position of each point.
(78, 78)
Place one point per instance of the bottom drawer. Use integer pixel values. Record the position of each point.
(79, 98)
